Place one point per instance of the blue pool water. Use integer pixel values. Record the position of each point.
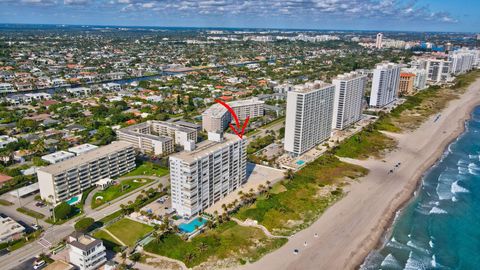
(73, 200)
(300, 162)
(439, 228)
(190, 227)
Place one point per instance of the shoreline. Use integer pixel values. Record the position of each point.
(410, 195)
(354, 226)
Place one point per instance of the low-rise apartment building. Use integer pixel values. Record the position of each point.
(65, 179)
(217, 117)
(86, 252)
(157, 137)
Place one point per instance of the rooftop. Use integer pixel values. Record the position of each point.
(85, 158)
(82, 148)
(205, 148)
(9, 227)
(84, 242)
(311, 86)
(349, 76)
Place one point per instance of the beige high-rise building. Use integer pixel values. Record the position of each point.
(379, 41)
(407, 82)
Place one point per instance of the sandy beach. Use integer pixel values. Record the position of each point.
(354, 226)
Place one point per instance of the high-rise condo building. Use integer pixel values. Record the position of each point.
(463, 60)
(65, 179)
(379, 41)
(204, 174)
(438, 70)
(349, 91)
(407, 81)
(217, 117)
(385, 82)
(309, 116)
(157, 137)
(420, 79)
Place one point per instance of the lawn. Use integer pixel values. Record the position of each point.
(368, 142)
(5, 202)
(148, 168)
(110, 217)
(118, 190)
(288, 209)
(129, 231)
(228, 240)
(108, 241)
(31, 213)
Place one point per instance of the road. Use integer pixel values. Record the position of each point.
(55, 233)
(263, 130)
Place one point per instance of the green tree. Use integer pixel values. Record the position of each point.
(63, 210)
(84, 224)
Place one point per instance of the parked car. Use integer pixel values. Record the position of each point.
(38, 264)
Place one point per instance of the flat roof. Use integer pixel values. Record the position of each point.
(85, 158)
(82, 148)
(58, 155)
(311, 86)
(205, 148)
(25, 190)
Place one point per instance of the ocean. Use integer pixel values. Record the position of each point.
(440, 227)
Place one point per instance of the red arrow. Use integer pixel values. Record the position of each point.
(240, 130)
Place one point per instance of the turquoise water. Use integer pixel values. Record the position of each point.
(190, 227)
(300, 162)
(73, 200)
(440, 227)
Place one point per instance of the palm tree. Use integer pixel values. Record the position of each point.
(289, 174)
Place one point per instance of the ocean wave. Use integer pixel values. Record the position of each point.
(473, 169)
(443, 188)
(437, 210)
(414, 263)
(456, 188)
(433, 262)
(430, 243)
(390, 262)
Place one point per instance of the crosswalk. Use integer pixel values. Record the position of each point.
(44, 243)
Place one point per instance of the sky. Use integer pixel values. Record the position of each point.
(407, 15)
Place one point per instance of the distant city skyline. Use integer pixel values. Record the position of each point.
(381, 15)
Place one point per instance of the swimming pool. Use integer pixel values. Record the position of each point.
(190, 227)
(300, 162)
(74, 200)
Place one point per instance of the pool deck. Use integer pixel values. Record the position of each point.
(259, 176)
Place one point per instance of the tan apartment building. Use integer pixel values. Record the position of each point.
(407, 81)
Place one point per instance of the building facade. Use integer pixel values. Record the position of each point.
(86, 252)
(207, 173)
(379, 41)
(438, 70)
(385, 83)
(157, 137)
(309, 116)
(63, 180)
(216, 118)
(347, 107)
(407, 81)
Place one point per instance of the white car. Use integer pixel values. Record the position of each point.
(38, 264)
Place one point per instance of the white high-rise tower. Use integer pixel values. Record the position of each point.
(309, 116)
(349, 90)
(385, 83)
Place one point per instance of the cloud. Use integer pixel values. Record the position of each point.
(388, 10)
(76, 2)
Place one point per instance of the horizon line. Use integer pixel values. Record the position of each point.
(239, 27)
